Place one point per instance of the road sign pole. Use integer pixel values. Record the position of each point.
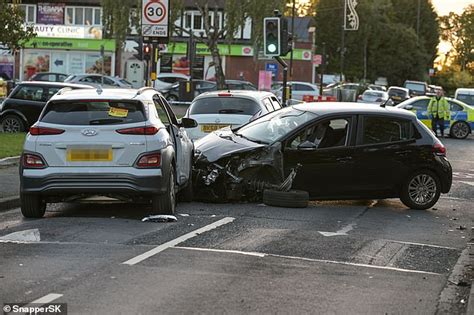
(285, 78)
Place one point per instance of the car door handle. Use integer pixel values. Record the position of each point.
(344, 159)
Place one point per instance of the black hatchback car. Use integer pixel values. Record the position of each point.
(21, 109)
(341, 151)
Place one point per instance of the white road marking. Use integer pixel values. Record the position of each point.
(46, 299)
(176, 241)
(340, 232)
(32, 235)
(421, 244)
(262, 255)
(223, 251)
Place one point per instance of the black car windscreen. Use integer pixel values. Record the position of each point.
(225, 105)
(93, 112)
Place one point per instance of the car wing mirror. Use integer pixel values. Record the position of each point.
(188, 123)
(307, 146)
(409, 107)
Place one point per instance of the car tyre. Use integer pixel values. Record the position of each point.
(32, 206)
(288, 199)
(166, 203)
(460, 130)
(421, 190)
(12, 123)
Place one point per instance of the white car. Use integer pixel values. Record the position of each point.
(164, 80)
(219, 109)
(465, 95)
(124, 144)
(301, 91)
(374, 97)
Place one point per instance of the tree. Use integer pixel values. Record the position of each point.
(458, 30)
(14, 34)
(118, 20)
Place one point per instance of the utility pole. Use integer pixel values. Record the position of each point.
(293, 10)
(342, 37)
(418, 21)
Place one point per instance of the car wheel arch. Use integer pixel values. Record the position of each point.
(16, 113)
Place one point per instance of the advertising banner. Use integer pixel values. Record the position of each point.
(68, 31)
(50, 13)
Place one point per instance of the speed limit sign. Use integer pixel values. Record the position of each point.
(155, 19)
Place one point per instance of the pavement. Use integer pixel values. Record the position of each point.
(9, 183)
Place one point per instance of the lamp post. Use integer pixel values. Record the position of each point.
(293, 9)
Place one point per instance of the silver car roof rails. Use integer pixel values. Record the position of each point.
(143, 89)
(64, 90)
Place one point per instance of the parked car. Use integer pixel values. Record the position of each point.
(375, 97)
(96, 80)
(23, 106)
(398, 94)
(300, 90)
(465, 95)
(123, 144)
(377, 87)
(48, 76)
(200, 86)
(215, 110)
(416, 88)
(164, 80)
(459, 126)
(339, 151)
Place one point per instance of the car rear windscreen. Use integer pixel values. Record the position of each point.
(416, 87)
(225, 105)
(466, 98)
(394, 92)
(93, 112)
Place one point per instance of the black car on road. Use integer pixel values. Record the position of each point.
(22, 107)
(340, 151)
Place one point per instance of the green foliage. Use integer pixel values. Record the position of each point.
(11, 144)
(458, 30)
(14, 35)
(452, 77)
(117, 19)
(386, 44)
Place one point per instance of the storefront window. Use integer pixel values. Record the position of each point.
(97, 17)
(79, 16)
(35, 61)
(88, 16)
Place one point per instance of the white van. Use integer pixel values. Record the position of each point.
(465, 95)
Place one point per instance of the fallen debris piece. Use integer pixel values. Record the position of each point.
(160, 218)
(461, 228)
(184, 214)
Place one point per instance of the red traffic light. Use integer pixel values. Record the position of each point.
(146, 49)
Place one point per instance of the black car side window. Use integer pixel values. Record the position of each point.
(30, 93)
(455, 107)
(326, 134)
(386, 130)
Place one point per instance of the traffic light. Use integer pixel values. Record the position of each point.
(286, 37)
(271, 36)
(146, 52)
(139, 49)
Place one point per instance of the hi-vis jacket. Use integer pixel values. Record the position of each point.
(439, 108)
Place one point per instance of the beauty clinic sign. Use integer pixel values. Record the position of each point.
(50, 13)
(68, 31)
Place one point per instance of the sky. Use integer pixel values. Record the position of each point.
(443, 7)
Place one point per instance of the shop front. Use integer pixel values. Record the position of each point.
(67, 55)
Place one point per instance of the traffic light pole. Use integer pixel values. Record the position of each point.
(285, 79)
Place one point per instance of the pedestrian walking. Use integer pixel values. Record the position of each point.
(438, 111)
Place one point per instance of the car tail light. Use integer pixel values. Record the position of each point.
(149, 160)
(45, 131)
(30, 160)
(148, 131)
(224, 94)
(439, 149)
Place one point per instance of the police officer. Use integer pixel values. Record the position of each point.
(438, 111)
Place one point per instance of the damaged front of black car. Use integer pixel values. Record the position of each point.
(239, 164)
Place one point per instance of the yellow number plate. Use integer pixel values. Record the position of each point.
(211, 128)
(89, 155)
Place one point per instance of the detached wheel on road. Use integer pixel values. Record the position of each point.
(32, 206)
(288, 199)
(421, 190)
(460, 130)
(12, 123)
(166, 203)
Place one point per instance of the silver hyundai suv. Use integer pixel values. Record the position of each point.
(125, 144)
